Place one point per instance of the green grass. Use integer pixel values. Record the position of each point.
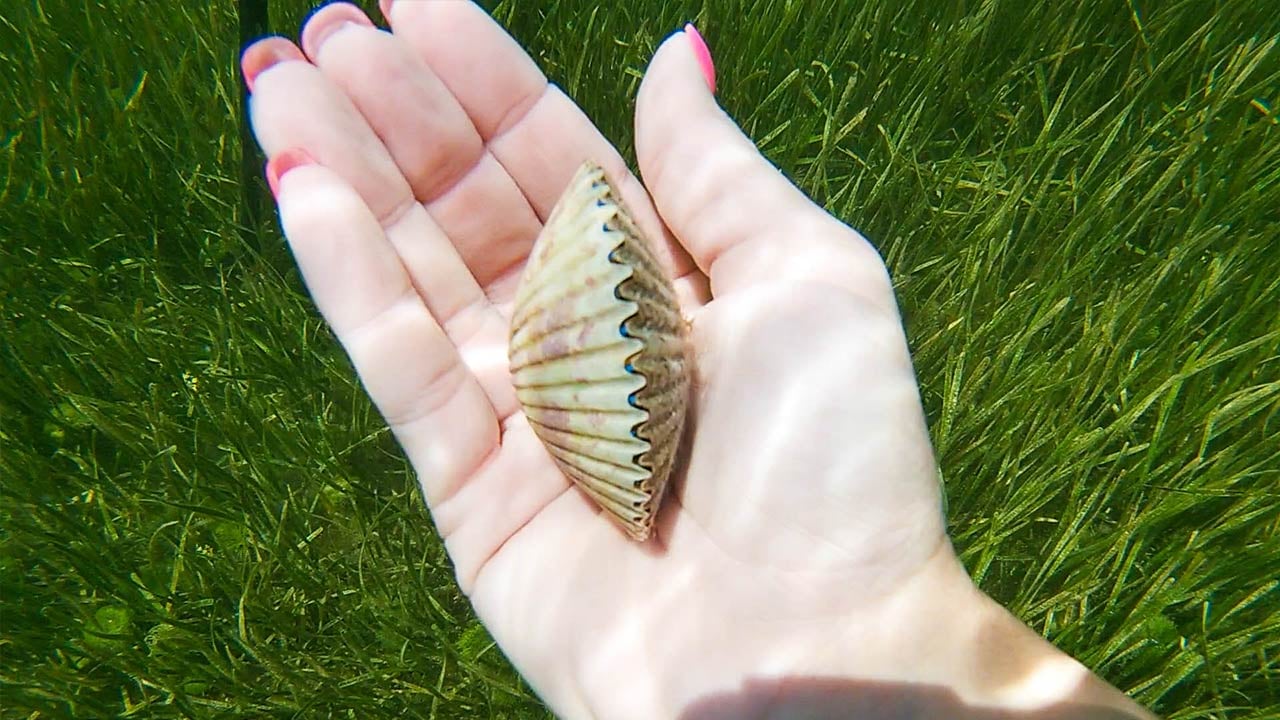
(202, 516)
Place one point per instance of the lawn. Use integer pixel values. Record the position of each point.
(202, 516)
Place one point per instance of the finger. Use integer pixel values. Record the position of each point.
(265, 53)
(534, 130)
(473, 324)
(741, 220)
(410, 368)
(391, 88)
(431, 140)
(503, 498)
(295, 106)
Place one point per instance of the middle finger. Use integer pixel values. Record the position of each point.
(431, 140)
(538, 134)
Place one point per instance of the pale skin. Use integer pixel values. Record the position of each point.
(801, 566)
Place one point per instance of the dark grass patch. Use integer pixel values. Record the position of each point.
(201, 515)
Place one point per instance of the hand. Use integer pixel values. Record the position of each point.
(801, 558)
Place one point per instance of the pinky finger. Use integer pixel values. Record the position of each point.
(408, 365)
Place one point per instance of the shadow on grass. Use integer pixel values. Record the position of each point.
(797, 698)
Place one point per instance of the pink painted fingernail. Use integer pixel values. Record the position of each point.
(264, 54)
(327, 21)
(252, 63)
(282, 163)
(703, 53)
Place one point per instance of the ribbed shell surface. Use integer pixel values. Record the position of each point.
(598, 355)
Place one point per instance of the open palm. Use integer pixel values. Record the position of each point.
(805, 496)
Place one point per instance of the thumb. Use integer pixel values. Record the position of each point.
(708, 182)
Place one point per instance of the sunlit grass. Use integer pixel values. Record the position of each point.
(202, 515)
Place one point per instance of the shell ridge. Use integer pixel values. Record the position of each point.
(655, 311)
(622, 493)
(625, 497)
(658, 399)
(531, 338)
(615, 425)
(597, 296)
(636, 244)
(579, 214)
(642, 473)
(546, 276)
(557, 262)
(635, 291)
(655, 431)
(632, 518)
(610, 411)
(586, 354)
(595, 402)
(626, 444)
(626, 449)
(568, 382)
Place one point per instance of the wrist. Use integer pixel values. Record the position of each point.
(955, 652)
(937, 647)
(1014, 668)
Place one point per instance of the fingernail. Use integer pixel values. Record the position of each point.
(327, 21)
(385, 7)
(283, 163)
(703, 53)
(252, 65)
(263, 55)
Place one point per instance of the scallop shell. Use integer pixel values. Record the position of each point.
(598, 353)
